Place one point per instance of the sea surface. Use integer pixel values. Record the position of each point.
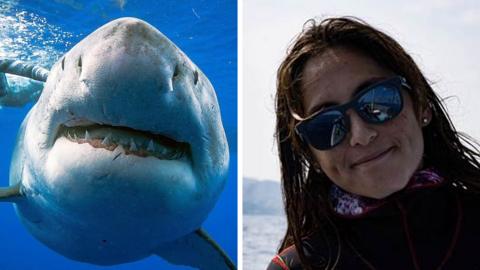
(42, 31)
(261, 238)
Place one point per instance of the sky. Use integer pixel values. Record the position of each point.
(442, 36)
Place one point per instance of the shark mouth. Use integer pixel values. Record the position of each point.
(133, 142)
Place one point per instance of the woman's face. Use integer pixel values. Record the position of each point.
(373, 160)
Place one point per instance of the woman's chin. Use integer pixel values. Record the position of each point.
(380, 187)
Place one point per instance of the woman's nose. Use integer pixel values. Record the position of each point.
(361, 133)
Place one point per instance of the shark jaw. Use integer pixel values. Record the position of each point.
(133, 142)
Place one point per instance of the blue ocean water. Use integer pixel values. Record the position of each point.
(41, 31)
(262, 235)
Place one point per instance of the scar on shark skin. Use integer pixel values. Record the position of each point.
(117, 156)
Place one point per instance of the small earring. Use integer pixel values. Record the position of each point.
(425, 121)
(316, 168)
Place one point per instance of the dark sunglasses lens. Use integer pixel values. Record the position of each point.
(324, 130)
(380, 103)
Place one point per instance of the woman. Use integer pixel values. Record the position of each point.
(374, 174)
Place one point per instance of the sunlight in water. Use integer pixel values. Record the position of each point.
(30, 37)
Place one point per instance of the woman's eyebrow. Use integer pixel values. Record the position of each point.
(366, 84)
(319, 107)
(359, 88)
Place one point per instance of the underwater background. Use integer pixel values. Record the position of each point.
(42, 31)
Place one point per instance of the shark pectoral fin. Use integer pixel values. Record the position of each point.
(10, 194)
(196, 250)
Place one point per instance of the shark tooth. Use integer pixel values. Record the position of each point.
(87, 135)
(106, 140)
(118, 151)
(133, 146)
(168, 153)
(176, 155)
(161, 150)
(150, 146)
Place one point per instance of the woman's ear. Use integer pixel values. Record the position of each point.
(426, 115)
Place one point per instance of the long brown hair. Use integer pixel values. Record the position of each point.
(305, 190)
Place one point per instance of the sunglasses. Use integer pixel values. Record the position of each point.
(376, 104)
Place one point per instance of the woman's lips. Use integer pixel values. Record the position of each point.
(372, 158)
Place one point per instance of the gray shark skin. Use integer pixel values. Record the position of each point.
(124, 154)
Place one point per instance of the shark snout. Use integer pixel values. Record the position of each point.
(129, 75)
(128, 85)
(132, 50)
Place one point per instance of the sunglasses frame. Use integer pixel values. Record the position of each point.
(398, 81)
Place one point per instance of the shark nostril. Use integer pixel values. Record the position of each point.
(79, 64)
(176, 72)
(195, 77)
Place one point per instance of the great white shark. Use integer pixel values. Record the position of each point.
(123, 155)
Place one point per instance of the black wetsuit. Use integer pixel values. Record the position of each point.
(435, 228)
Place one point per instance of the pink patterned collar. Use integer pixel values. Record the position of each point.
(351, 205)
